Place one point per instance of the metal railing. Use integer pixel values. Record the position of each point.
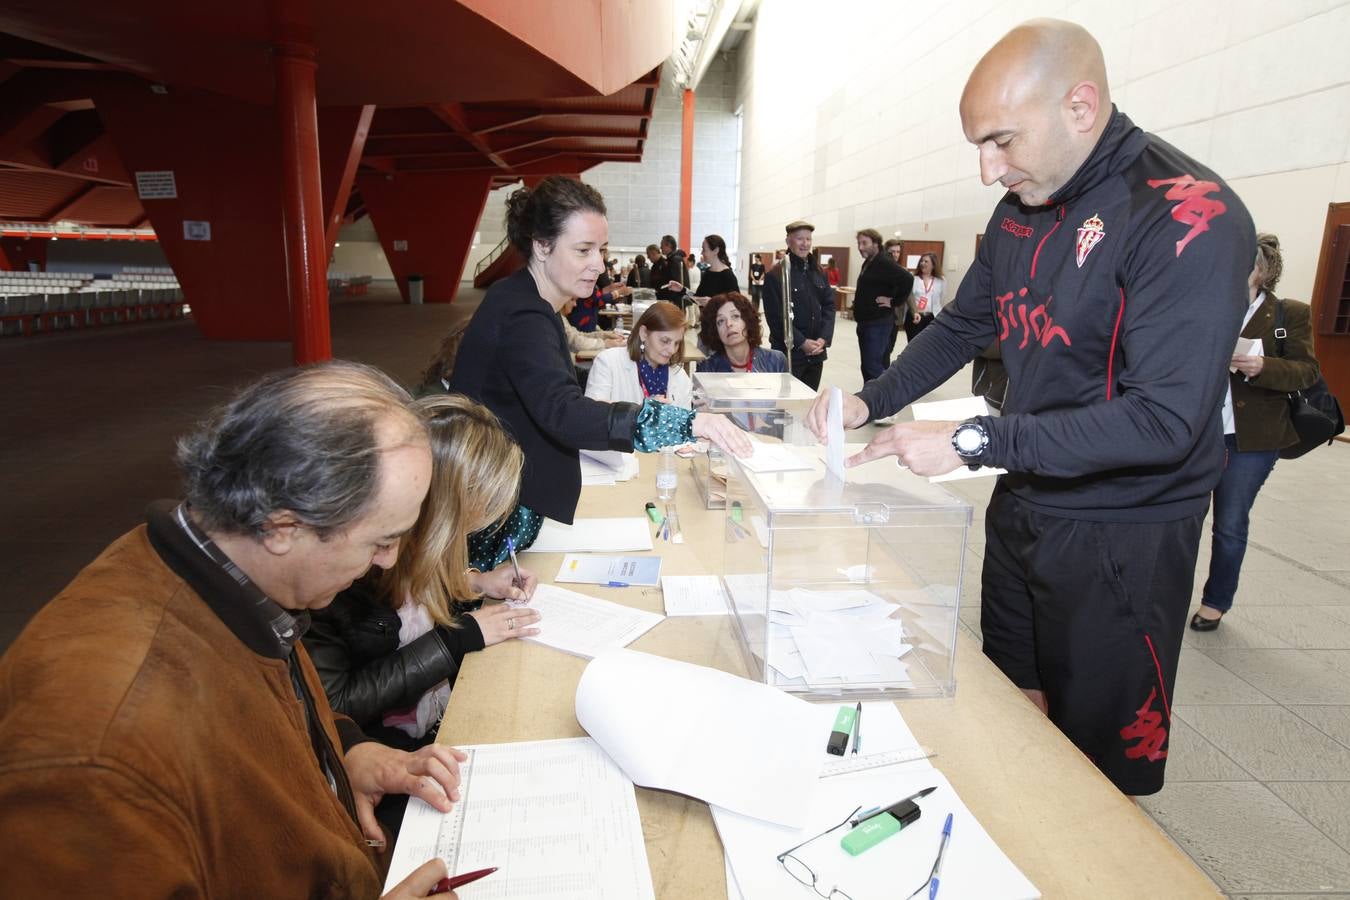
(492, 257)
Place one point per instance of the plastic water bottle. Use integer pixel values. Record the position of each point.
(667, 478)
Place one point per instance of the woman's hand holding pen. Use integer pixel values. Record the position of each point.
(721, 431)
(501, 622)
(499, 584)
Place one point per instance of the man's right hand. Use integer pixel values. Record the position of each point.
(855, 413)
(420, 882)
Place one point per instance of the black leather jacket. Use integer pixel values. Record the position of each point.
(353, 643)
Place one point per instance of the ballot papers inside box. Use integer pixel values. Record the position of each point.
(770, 405)
(845, 590)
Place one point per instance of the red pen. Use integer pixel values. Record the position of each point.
(454, 881)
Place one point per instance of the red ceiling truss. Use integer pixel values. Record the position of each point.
(57, 163)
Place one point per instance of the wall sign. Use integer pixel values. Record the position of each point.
(400, 246)
(156, 185)
(196, 231)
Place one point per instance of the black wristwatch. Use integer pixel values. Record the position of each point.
(970, 440)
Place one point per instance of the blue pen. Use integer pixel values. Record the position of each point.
(515, 564)
(942, 849)
(617, 584)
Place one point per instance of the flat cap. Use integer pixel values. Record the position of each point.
(799, 225)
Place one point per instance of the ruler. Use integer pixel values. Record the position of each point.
(451, 832)
(845, 765)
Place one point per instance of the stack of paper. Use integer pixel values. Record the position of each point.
(605, 467)
(726, 740)
(593, 536)
(694, 595)
(585, 626)
(823, 638)
(546, 835)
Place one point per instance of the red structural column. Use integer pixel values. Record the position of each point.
(302, 203)
(687, 170)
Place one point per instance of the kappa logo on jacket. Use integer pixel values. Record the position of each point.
(1195, 209)
(1016, 229)
(1089, 236)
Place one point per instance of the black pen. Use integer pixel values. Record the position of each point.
(878, 810)
(857, 729)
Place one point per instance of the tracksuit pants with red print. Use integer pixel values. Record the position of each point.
(1092, 613)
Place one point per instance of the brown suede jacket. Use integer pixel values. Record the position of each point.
(152, 743)
(1260, 407)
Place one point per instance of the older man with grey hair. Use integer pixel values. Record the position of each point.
(162, 731)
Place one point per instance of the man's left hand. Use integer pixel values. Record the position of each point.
(926, 447)
(884, 302)
(374, 770)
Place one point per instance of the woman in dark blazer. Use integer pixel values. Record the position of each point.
(514, 360)
(1256, 423)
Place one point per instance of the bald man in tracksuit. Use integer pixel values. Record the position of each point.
(1113, 276)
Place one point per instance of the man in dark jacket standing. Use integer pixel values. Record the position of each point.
(1113, 275)
(669, 270)
(812, 320)
(882, 288)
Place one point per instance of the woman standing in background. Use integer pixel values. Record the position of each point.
(930, 291)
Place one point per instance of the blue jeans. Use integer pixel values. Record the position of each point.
(1243, 475)
(872, 339)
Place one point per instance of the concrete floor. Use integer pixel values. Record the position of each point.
(1258, 789)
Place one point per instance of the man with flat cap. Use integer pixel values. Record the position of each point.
(1113, 277)
(811, 324)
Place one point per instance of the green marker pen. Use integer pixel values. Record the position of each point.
(843, 729)
(876, 829)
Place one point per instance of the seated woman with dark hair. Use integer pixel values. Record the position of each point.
(388, 648)
(730, 330)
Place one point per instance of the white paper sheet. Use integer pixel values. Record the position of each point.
(725, 740)
(1248, 347)
(612, 463)
(694, 595)
(584, 626)
(544, 833)
(956, 411)
(834, 434)
(974, 867)
(594, 536)
(778, 458)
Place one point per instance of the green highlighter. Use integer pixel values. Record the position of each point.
(873, 831)
(842, 731)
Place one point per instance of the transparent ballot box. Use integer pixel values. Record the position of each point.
(769, 404)
(845, 590)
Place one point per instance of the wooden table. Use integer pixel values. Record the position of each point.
(1059, 820)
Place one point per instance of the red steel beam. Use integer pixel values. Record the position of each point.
(302, 202)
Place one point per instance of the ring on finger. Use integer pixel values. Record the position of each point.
(510, 624)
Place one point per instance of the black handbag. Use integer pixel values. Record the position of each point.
(1316, 414)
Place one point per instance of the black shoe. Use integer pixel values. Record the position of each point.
(1200, 623)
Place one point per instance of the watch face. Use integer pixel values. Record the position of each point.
(968, 439)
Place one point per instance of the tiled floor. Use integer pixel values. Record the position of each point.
(1258, 788)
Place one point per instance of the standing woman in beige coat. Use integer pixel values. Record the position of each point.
(1256, 423)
